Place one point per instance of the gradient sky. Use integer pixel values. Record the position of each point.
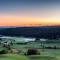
(29, 12)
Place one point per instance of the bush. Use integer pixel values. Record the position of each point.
(49, 47)
(32, 52)
(54, 47)
(3, 52)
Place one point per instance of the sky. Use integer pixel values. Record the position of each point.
(29, 12)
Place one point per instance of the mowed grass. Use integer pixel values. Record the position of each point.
(12, 57)
(39, 57)
(22, 57)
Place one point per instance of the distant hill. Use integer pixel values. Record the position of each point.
(50, 32)
(7, 26)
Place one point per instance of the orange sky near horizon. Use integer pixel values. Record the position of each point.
(13, 20)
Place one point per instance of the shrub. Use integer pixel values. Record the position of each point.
(32, 52)
(54, 47)
(49, 47)
(3, 52)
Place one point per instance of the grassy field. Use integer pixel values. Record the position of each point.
(12, 57)
(45, 54)
(22, 57)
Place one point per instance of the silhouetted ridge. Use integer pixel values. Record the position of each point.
(50, 32)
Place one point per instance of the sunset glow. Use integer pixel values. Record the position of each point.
(16, 14)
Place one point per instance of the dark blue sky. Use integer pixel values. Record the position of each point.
(28, 1)
(11, 5)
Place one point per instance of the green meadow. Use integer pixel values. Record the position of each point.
(45, 54)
